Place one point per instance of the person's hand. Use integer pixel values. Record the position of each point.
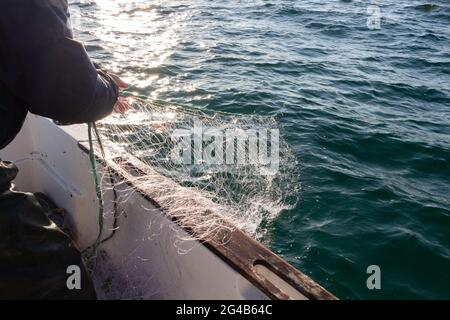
(122, 105)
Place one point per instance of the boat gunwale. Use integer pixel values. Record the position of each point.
(241, 252)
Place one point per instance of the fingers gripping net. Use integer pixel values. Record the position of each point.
(237, 166)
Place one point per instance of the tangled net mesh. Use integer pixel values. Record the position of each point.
(209, 198)
(248, 193)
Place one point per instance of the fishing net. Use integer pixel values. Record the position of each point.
(240, 165)
(210, 172)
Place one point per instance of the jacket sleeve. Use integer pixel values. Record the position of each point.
(59, 80)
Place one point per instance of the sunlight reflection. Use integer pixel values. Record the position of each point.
(139, 35)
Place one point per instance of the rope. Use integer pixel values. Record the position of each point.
(93, 248)
(111, 180)
(92, 127)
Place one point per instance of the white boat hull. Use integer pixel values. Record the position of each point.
(149, 256)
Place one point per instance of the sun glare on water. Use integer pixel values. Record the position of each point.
(139, 36)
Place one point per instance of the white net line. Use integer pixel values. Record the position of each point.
(242, 192)
(208, 199)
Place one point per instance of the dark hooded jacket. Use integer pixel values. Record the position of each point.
(44, 71)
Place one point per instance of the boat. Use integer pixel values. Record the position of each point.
(148, 252)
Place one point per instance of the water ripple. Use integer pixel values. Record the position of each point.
(367, 112)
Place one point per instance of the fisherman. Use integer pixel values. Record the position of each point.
(45, 72)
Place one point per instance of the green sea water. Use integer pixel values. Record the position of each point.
(366, 110)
